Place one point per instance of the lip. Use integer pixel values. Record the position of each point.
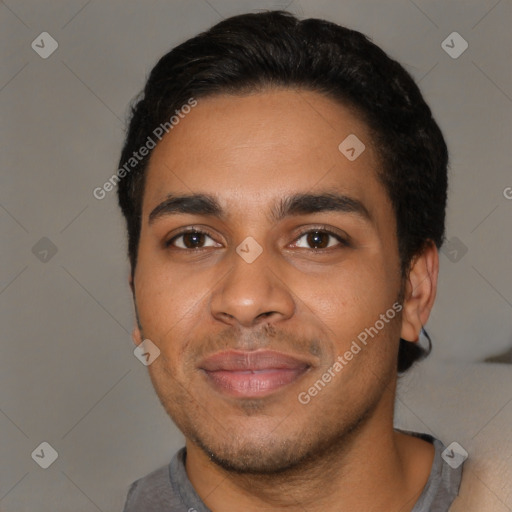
(252, 374)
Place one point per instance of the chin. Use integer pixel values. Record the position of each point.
(253, 458)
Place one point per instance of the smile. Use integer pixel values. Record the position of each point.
(252, 374)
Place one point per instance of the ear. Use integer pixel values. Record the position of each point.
(420, 292)
(130, 282)
(137, 329)
(137, 335)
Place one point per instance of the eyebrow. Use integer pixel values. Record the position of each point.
(296, 204)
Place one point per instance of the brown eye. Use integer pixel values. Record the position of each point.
(319, 239)
(191, 240)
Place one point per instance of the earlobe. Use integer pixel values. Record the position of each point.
(136, 336)
(137, 330)
(420, 292)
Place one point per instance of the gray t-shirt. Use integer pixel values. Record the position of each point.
(168, 488)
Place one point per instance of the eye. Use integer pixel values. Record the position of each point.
(319, 239)
(192, 239)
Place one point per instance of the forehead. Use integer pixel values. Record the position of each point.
(244, 147)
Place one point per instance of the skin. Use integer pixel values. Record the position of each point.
(339, 451)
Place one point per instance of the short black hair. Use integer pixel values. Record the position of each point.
(258, 51)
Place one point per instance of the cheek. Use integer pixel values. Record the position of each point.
(165, 298)
(350, 299)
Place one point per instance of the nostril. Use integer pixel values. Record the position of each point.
(266, 314)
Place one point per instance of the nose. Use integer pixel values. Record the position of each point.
(251, 293)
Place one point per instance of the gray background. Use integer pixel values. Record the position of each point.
(68, 375)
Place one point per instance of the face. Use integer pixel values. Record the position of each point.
(264, 255)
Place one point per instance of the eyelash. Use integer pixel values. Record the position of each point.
(342, 241)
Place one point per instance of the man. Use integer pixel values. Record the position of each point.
(284, 187)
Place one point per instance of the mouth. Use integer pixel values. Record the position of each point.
(252, 374)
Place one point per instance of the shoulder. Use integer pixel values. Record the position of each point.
(152, 492)
(444, 480)
(157, 480)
